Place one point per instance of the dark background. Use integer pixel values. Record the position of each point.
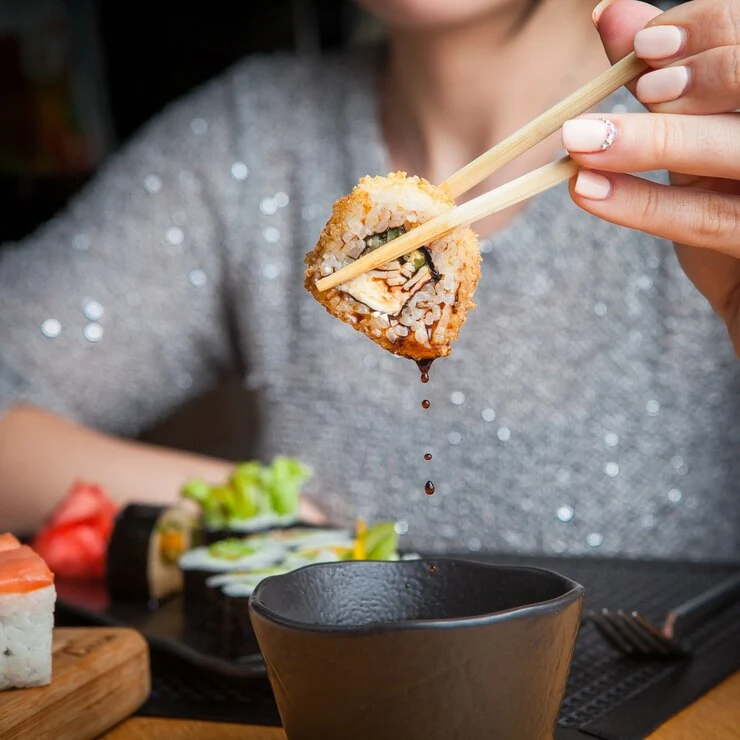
(150, 52)
(153, 51)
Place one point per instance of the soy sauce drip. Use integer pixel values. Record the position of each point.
(424, 367)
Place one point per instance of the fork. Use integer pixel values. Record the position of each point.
(634, 635)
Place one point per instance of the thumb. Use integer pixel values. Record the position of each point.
(618, 21)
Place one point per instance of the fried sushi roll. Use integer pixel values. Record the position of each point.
(414, 306)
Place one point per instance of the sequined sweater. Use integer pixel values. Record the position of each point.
(591, 403)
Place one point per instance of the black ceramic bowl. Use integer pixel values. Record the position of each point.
(417, 650)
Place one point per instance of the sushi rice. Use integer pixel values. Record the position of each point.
(27, 600)
(26, 623)
(260, 522)
(305, 537)
(206, 559)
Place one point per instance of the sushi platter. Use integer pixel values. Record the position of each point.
(182, 575)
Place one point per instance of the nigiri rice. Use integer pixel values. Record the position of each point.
(27, 599)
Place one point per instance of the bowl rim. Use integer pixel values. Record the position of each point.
(573, 593)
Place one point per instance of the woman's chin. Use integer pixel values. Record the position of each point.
(425, 15)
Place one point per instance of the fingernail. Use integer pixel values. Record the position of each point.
(599, 9)
(592, 186)
(588, 134)
(659, 42)
(663, 85)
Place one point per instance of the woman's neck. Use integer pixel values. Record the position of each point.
(449, 95)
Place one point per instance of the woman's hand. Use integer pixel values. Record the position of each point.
(692, 131)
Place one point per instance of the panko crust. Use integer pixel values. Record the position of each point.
(355, 206)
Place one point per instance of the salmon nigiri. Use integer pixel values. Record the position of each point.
(22, 570)
(8, 542)
(27, 598)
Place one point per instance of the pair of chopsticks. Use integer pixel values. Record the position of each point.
(479, 169)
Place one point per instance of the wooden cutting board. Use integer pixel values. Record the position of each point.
(100, 676)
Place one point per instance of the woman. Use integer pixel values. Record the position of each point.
(589, 405)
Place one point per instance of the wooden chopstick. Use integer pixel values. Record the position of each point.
(479, 169)
(498, 199)
(547, 123)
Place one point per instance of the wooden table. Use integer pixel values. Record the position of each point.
(716, 715)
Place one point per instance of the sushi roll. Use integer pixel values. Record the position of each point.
(226, 556)
(231, 608)
(297, 537)
(414, 306)
(206, 570)
(144, 550)
(254, 498)
(217, 604)
(27, 600)
(244, 527)
(314, 555)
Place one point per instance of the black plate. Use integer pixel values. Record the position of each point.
(162, 625)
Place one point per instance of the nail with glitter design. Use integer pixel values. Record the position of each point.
(589, 135)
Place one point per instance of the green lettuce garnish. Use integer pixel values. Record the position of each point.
(381, 541)
(252, 489)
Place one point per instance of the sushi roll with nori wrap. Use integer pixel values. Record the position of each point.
(314, 555)
(414, 306)
(144, 550)
(255, 498)
(226, 556)
(379, 542)
(239, 636)
(217, 602)
(296, 537)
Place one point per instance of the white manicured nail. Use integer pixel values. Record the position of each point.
(659, 42)
(592, 185)
(663, 85)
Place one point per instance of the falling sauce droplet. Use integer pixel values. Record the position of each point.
(433, 569)
(424, 366)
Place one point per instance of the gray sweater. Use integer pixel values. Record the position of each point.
(591, 404)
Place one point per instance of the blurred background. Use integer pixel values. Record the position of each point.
(78, 77)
